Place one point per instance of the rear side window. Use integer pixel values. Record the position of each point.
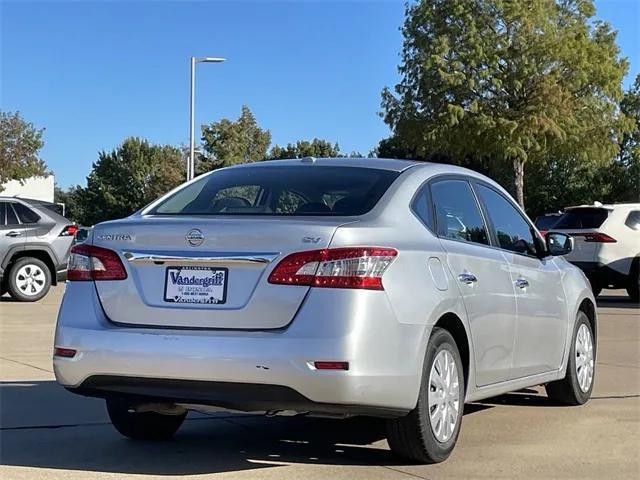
(289, 191)
(633, 220)
(25, 214)
(421, 206)
(457, 213)
(587, 217)
(512, 230)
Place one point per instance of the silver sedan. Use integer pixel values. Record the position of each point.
(331, 287)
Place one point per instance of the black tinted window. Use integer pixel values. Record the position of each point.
(511, 229)
(582, 218)
(546, 222)
(12, 218)
(3, 213)
(457, 213)
(297, 190)
(25, 214)
(633, 220)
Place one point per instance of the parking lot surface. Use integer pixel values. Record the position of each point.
(46, 432)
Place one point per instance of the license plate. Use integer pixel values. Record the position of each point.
(196, 285)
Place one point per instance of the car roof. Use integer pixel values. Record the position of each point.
(608, 206)
(392, 164)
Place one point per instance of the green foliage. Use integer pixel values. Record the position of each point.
(69, 197)
(515, 81)
(303, 148)
(20, 143)
(126, 179)
(228, 143)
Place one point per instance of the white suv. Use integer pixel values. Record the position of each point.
(607, 244)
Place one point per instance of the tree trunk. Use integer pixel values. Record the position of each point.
(518, 173)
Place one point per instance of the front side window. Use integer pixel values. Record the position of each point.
(3, 213)
(457, 214)
(512, 230)
(288, 191)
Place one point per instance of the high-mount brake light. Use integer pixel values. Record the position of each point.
(350, 267)
(89, 262)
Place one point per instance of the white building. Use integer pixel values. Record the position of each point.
(36, 188)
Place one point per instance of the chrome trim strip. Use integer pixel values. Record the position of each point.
(202, 258)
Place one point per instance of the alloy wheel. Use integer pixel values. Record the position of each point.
(30, 279)
(444, 396)
(584, 358)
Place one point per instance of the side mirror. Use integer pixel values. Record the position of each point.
(558, 243)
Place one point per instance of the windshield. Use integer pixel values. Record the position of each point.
(582, 218)
(293, 191)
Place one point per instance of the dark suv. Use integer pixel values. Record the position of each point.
(34, 248)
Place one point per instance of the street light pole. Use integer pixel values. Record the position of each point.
(192, 113)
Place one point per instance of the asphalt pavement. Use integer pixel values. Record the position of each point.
(48, 433)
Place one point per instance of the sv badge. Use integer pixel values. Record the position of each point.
(310, 239)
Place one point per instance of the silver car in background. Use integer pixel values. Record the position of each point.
(332, 287)
(34, 247)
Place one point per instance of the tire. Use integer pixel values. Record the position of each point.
(412, 437)
(29, 279)
(150, 426)
(596, 287)
(569, 391)
(633, 286)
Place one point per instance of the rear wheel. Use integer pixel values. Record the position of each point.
(429, 432)
(596, 286)
(144, 425)
(575, 388)
(29, 279)
(633, 285)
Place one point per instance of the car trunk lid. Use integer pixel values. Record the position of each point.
(205, 272)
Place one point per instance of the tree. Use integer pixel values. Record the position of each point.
(626, 171)
(515, 81)
(20, 143)
(303, 148)
(69, 198)
(126, 179)
(228, 143)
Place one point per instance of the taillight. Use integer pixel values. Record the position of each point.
(352, 267)
(69, 231)
(595, 237)
(88, 262)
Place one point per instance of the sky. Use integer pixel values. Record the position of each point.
(95, 72)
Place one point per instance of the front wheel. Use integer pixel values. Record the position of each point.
(429, 432)
(143, 425)
(575, 388)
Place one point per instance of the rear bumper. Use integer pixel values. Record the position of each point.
(603, 274)
(233, 395)
(385, 358)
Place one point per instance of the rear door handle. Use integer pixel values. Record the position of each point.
(467, 278)
(522, 283)
(13, 233)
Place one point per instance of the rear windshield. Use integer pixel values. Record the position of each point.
(583, 218)
(293, 191)
(546, 222)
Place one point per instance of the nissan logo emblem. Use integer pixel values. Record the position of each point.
(195, 237)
